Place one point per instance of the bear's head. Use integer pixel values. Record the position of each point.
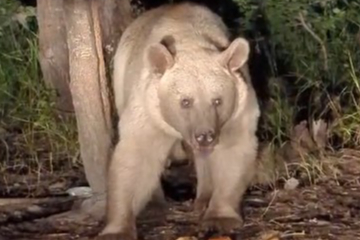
(200, 91)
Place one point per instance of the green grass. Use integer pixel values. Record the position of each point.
(34, 137)
(319, 41)
(324, 63)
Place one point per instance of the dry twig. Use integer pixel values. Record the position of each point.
(317, 38)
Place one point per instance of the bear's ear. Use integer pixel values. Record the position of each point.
(236, 55)
(160, 55)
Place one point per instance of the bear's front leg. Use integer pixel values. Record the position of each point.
(204, 186)
(133, 175)
(232, 169)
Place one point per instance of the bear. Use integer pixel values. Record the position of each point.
(179, 77)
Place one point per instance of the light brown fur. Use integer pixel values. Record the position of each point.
(196, 59)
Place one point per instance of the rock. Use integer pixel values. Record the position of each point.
(83, 192)
(291, 184)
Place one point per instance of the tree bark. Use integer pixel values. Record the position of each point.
(53, 51)
(115, 16)
(89, 90)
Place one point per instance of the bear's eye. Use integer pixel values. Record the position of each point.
(186, 103)
(217, 102)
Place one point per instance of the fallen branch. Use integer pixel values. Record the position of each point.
(38, 208)
(12, 201)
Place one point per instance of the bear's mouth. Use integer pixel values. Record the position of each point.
(201, 150)
(204, 151)
(203, 144)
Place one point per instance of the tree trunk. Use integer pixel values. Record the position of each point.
(53, 51)
(74, 37)
(89, 89)
(114, 17)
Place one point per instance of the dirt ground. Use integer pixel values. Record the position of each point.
(328, 209)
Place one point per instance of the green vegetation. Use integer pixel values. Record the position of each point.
(32, 136)
(319, 42)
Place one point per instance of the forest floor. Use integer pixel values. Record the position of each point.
(36, 206)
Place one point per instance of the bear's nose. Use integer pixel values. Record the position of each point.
(205, 139)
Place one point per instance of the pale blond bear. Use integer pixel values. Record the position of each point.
(177, 76)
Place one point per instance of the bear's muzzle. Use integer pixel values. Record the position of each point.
(204, 141)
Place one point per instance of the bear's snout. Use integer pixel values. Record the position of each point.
(205, 139)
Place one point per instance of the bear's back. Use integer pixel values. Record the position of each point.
(188, 23)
